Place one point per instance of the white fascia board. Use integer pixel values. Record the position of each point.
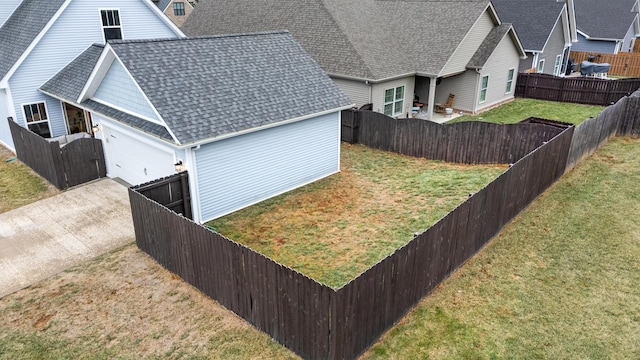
(554, 29)
(164, 18)
(268, 126)
(4, 81)
(595, 38)
(97, 74)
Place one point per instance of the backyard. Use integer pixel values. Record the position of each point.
(520, 109)
(336, 228)
(558, 282)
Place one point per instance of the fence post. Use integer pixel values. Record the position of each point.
(186, 195)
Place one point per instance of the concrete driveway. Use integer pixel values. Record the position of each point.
(46, 237)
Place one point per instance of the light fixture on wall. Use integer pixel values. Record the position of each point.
(179, 166)
(95, 129)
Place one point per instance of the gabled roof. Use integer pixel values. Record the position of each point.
(208, 87)
(162, 4)
(533, 20)
(22, 28)
(366, 39)
(490, 43)
(605, 19)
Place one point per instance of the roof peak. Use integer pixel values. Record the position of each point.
(221, 36)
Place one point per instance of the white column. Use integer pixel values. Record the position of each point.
(432, 97)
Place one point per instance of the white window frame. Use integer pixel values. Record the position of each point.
(557, 66)
(394, 102)
(103, 27)
(483, 88)
(540, 67)
(39, 121)
(510, 75)
(174, 8)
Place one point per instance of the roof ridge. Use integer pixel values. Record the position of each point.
(259, 33)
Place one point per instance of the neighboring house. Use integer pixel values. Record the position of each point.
(606, 26)
(176, 10)
(42, 36)
(388, 53)
(544, 31)
(250, 116)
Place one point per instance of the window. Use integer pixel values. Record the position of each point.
(394, 101)
(557, 65)
(111, 24)
(178, 8)
(540, 66)
(484, 84)
(37, 119)
(509, 81)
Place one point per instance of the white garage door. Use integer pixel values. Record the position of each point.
(134, 161)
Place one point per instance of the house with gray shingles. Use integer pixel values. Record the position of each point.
(388, 53)
(40, 37)
(250, 116)
(176, 10)
(544, 31)
(607, 26)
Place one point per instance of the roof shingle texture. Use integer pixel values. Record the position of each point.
(533, 20)
(22, 28)
(604, 19)
(479, 59)
(68, 83)
(370, 39)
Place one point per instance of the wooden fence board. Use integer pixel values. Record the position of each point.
(622, 63)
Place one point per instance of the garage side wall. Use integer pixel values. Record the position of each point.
(244, 170)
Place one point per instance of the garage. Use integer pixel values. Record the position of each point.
(133, 158)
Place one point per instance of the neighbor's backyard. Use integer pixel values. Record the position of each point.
(560, 281)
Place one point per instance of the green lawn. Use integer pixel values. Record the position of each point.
(520, 109)
(19, 185)
(335, 228)
(559, 282)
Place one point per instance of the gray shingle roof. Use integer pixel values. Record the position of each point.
(488, 46)
(604, 19)
(370, 39)
(69, 82)
(162, 4)
(22, 28)
(533, 20)
(212, 86)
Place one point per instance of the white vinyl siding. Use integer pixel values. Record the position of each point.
(118, 88)
(246, 169)
(74, 31)
(476, 35)
(504, 57)
(7, 8)
(463, 86)
(510, 75)
(357, 91)
(378, 90)
(5, 133)
(554, 47)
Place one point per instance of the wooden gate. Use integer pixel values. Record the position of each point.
(83, 161)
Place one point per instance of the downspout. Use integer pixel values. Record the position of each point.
(193, 183)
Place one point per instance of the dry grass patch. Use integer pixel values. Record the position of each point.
(338, 227)
(19, 185)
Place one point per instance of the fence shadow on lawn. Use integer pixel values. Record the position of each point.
(319, 322)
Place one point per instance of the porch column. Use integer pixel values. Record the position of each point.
(432, 97)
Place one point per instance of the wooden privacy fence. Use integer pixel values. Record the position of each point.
(75, 163)
(579, 90)
(471, 142)
(622, 63)
(319, 322)
(171, 192)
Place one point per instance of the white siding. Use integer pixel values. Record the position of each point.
(458, 61)
(7, 9)
(5, 133)
(243, 170)
(357, 91)
(378, 93)
(503, 58)
(76, 29)
(133, 156)
(627, 44)
(119, 89)
(462, 86)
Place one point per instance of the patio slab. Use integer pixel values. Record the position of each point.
(44, 238)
